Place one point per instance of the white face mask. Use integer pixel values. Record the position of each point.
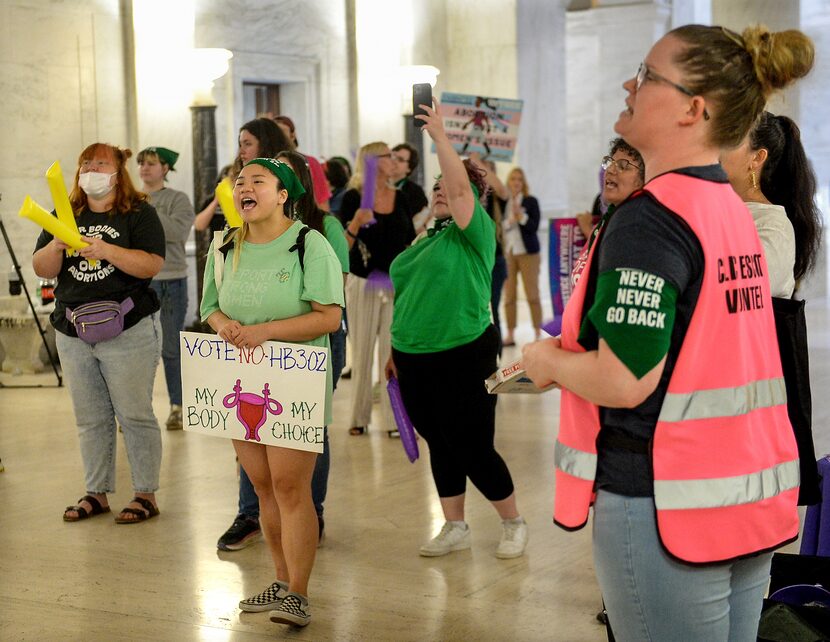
(96, 185)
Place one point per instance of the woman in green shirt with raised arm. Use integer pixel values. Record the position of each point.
(444, 346)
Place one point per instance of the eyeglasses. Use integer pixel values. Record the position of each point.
(644, 73)
(621, 163)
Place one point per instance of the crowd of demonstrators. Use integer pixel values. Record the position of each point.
(658, 370)
(520, 226)
(645, 331)
(442, 323)
(109, 370)
(176, 215)
(326, 224)
(376, 236)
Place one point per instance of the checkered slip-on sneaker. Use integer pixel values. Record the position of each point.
(269, 599)
(292, 610)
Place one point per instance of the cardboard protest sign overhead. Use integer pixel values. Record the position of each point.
(481, 124)
(272, 394)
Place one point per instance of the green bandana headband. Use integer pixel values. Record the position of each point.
(288, 179)
(166, 156)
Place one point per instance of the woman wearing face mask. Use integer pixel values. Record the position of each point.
(303, 309)
(442, 325)
(114, 377)
(260, 137)
(520, 227)
(673, 418)
(375, 236)
(176, 215)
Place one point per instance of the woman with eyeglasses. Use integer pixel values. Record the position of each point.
(520, 226)
(673, 419)
(624, 173)
(375, 236)
(442, 326)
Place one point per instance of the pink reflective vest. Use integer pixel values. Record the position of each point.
(724, 456)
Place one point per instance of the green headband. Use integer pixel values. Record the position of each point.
(166, 156)
(288, 179)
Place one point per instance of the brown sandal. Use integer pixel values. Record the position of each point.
(355, 431)
(140, 515)
(97, 509)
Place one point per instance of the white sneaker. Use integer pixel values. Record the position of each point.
(453, 537)
(513, 539)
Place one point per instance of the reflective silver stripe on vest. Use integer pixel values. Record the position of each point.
(576, 463)
(726, 491)
(723, 402)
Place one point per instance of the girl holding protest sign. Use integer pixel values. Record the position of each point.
(304, 307)
(441, 328)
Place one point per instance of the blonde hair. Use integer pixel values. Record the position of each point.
(738, 74)
(521, 173)
(372, 149)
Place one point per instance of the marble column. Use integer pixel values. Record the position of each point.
(542, 145)
(204, 178)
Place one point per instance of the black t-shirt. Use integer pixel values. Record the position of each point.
(381, 242)
(79, 283)
(416, 200)
(644, 235)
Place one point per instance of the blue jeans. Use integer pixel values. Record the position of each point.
(173, 296)
(115, 379)
(248, 502)
(652, 596)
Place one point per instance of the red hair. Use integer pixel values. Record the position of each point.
(127, 197)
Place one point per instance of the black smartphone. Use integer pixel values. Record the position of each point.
(421, 95)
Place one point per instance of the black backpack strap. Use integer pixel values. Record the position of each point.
(227, 241)
(222, 244)
(299, 246)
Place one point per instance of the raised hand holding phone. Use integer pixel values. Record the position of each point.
(421, 95)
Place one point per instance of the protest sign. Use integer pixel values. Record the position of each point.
(272, 394)
(566, 243)
(481, 124)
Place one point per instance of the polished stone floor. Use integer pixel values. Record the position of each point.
(165, 579)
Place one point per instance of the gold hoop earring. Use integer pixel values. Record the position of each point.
(753, 179)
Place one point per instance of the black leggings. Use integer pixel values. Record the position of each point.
(446, 399)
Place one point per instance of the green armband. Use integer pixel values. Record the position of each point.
(634, 313)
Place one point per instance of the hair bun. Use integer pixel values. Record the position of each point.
(779, 58)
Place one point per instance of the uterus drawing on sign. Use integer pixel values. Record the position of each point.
(252, 409)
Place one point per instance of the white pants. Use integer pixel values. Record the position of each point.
(370, 319)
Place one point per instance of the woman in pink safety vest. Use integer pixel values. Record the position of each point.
(673, 420)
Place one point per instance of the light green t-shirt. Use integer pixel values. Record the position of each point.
(269, 285)
(442, 287)
(337, 239)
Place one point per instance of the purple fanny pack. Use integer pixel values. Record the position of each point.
(100, 320)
